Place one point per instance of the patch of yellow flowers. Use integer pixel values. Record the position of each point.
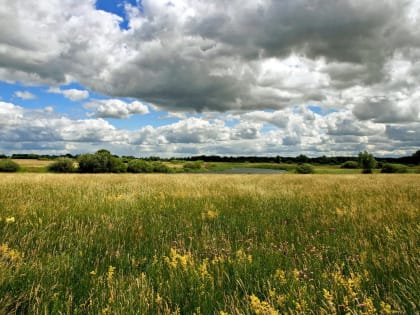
(8, 254)
(176, 259)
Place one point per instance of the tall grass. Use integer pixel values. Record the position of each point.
(209, 244)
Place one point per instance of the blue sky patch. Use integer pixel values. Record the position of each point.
(116, 7)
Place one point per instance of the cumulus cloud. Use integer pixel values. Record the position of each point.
(72, 94)
(25, 95)
(115, 108)
(335, 133)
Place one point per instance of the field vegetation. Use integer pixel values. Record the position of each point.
(209, 244)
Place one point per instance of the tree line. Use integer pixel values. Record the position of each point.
(413, 159)
(103, 161)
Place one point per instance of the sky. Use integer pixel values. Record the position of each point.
(177, 78)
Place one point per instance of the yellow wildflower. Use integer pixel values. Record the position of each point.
(110, 273)
(176, 259)
(262, 307)
(212, 214)
(385, 308)
(10, 220)
(281, 276)
(272, 293)
(203, 269)
(329, 301)
(158, 299)
(9, 254)
(296, 274)
(281, 298)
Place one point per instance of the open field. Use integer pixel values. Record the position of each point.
(209, 244)
(32, 165)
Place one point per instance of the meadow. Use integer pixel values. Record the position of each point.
(209, 244)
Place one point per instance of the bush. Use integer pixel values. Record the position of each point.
(393, 168)
(159, 167)
(117, 165)
(7, 165)
(88, 163)
(350, 165)
(101, 162)
(139, 166)
(62, 165)
(192, 165)
(304, 169)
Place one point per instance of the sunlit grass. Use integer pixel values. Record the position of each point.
(209, 244)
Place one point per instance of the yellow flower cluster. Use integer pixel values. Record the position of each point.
(175, 259)
(9, 254)
(110, 273)
(329, 301)
(281, 276)
(242, 257)
(262, 307)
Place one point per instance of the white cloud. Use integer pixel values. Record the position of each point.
(72, 94)
(336, 133)
(25, 95)
(48, 109)
(115, 108)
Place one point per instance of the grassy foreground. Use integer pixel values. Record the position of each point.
(209, 244)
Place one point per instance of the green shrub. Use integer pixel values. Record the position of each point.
(101, 162)
(304, 169)
(393, 168)
(62, 165)
(159, 167)
(350, 165)
(117, 165)
(196, 165)
(139, 166)
(88, 163)
(7, 165)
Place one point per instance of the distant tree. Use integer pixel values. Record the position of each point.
(117, 165)
(366, 162)
(88, 163)
(302, 158)
(416, 157)
(393, 168)
(350, 165)
(7, 165)
(101, 162)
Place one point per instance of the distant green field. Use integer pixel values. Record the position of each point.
(209, 244)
